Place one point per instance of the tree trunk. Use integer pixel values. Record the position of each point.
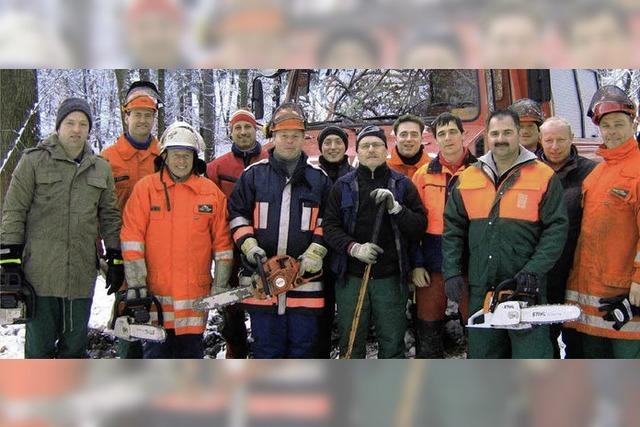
(243, 93)
(144, 74)
(161, 111)
(208, 124)
(19, 120)
(122, 80)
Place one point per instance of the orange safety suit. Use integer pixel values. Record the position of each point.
(607, 258)
(129, 165)
(395, 163)
(177, 240)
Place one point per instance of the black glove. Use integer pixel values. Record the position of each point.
(527, 283)
(618, 310)
(115, 272)
(11, 274)
(453, 287)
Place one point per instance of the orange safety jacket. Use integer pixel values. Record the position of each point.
(177, 240)
(129, 165)
(395, 163)
(607, 258)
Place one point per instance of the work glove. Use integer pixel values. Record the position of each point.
(453, 287)
(365, 252)
(618, 310)
(382, 195)
(250, 249)
(311, 259)
(527, 283)
(115, 271)
(222, 274)
(11, 273)
(420, 277)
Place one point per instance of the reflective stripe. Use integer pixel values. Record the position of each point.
(132, 246)
(583, 299)
(11, 261)
(263, 214)
(283, 229)
(305, 302)
(223, 255)
(165, 300)
(319, 223)
(309, 287)
(305, 221)
(599, 322)
(319, 231)
(183, 322)
(637, 260)
(241, 232)
(168, 316)
(239, 221)
(118, 262)
(183, 304)
(301, 406)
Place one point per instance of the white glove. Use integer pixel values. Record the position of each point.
(382, 195)
(366, 252)
(222, 274)
(420, 277)
(250, 249)
(311, 259)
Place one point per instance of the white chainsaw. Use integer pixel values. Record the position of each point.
(133, 319)
(506, 309)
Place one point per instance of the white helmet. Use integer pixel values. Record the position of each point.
(182, 135)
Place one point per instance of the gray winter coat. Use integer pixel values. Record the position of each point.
(54, 207)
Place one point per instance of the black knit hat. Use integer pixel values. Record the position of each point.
(70, 105)
(372, 130)
(333, 130)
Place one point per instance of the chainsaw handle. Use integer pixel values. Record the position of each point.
(505, 285)
(262, 274)
(156, 302)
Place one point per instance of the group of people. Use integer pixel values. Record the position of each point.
(450, 227)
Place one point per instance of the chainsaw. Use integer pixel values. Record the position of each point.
(272, 277)
(133, 319)
(504, 308)
(17, 301)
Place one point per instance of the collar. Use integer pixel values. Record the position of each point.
(136, 144)
(488, 164)
(408, 160)
(251, 152)
(381, 171)
(332, 165)
(281, 168)
(614, 155)
(127, 151)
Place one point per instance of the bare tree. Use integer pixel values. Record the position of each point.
(208, 123)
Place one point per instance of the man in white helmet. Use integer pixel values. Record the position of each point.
(175, 224)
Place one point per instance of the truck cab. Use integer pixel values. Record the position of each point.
(354, 98)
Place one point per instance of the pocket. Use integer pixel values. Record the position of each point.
(48, 184)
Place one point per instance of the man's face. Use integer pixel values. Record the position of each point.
(556, 139)
(409, 138)
(288, 143)
(333, 149)
(529, 135)
(616, 129)
(372, 152)
(450, 141)
(180, 162)
(503, 138)
(73, 133)
(243, 135)
(139, 123)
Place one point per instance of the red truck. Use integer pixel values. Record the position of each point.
(353, 98)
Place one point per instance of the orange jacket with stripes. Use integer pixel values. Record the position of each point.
(395, 163)
(174, 242)
(607, 258)
(129, 165)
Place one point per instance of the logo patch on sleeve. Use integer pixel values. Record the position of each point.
(205, 208)
(155, 208)
(619, 192)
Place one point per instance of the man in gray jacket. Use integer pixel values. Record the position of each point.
(60, 195)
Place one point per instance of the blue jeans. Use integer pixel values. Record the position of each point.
(290, 335)
(188, 346)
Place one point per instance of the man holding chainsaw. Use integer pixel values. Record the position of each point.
(605, 280)
(59, 195)
(373, 199)
(276, 209)
(175, 224)
(507, 210)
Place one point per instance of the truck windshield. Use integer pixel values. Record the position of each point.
(357, 95)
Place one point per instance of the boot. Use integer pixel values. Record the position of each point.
(429, 344)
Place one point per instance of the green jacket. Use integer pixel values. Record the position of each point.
(503, 225)
(54, 208)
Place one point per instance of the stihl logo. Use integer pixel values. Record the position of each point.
(538, 314)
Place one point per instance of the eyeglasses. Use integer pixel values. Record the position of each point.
(368, 145)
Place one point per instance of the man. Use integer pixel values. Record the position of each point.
(434, 182)
(131, 159)
(409, 154)
(225, 171)
(508, 210)
(332, 142)
(59, 195)
(561, 155)
(349, 222)
(605, 280)
(175, 224)
(276, 208)
(531, 117)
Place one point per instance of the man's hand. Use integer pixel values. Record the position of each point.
(634, 294)
(311, 259)
(618, 310)
(527, 283)
(366, 252)
(382, 195)
(250, 249)
(115, 272)
(420, 277)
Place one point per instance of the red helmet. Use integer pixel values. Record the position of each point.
(528, 110)
(610, 99)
